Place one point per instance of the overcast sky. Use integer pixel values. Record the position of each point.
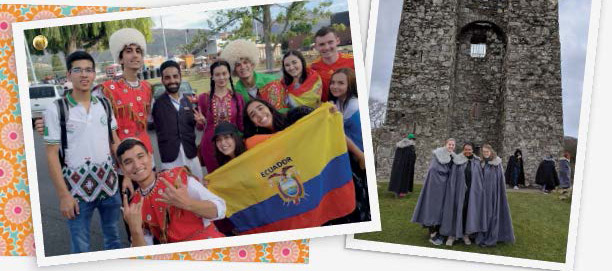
(198, 20)
(574, 26)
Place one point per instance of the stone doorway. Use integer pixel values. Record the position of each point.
(478, 85)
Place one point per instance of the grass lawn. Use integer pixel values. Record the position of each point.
(540, 223)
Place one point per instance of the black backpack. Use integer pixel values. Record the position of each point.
(63, 110)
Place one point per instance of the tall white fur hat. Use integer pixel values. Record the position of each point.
(123, 37)
(240, 48)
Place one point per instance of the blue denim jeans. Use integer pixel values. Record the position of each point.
(110, 214)
(515, 175)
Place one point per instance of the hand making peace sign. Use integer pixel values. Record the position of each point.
(199, 117)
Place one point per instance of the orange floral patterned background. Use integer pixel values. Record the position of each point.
(16, 235)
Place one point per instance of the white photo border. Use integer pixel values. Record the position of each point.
(587, 88)
(42, 260)
(371, 41)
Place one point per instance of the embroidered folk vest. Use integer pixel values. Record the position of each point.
(170, 224)
(131, 106)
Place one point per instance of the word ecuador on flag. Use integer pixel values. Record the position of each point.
(299, 178)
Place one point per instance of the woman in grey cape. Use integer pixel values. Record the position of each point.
(464, 202)
(565, 171)
(428, 211)
(498, 220)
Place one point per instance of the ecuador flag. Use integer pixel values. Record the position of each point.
(299, 178)
(308, 93)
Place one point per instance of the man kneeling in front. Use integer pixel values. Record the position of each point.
(170, 206)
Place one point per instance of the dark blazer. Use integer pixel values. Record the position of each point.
(174, 128)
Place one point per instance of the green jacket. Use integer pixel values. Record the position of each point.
(261, 79)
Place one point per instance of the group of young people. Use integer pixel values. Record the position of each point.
(546, 177)
(172, 203)
(464, 198)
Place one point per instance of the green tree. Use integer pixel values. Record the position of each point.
(339, 27)
(308, 41)
(57, 65)
(291, 18)
(303, 29)
(198, 43)
(42, 70)
(67, 39)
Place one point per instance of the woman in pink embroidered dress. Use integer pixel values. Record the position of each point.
(221, 104)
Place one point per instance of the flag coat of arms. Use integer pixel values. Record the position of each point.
(299, 178)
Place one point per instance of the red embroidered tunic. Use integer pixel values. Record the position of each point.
(131, 106)
(168, 223)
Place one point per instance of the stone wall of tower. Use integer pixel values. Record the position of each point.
(533, 110)
(423, 70)
(479, 83)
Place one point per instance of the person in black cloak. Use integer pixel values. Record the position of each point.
(428, 210)
(546, 176)
(464, 202)
(402, 172)
(497, 212)
(565, 171)
(515, 173)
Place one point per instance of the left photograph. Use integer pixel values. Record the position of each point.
(193, 127)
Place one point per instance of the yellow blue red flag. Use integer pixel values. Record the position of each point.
(300, 177)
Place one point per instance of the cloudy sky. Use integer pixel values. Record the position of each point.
(198, 20)
(574, 26)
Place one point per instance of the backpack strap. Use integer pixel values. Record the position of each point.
(63, 110)
(109, 115)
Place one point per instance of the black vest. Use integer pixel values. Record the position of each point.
(174, 128)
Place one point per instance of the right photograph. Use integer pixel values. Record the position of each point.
(475, 109)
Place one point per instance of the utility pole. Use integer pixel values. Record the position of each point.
(164, 36)
(31, 63)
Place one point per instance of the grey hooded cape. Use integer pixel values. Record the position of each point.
(457, 195)
(498, 220)
(428, 211)
(565, 172)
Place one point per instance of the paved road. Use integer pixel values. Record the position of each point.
(55, 229)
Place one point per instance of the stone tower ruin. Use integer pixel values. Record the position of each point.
(478, 71)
